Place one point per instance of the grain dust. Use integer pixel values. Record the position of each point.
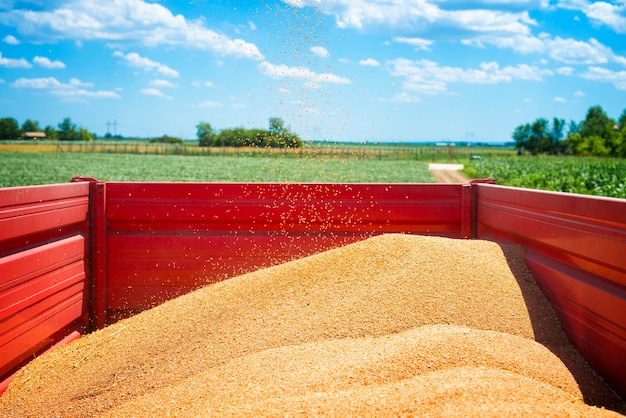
(392, 325)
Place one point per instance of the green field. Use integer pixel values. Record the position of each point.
(20, 169)
(584, 175)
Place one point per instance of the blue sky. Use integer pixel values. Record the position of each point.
(345, 70)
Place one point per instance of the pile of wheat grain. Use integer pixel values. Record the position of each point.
(392, 325)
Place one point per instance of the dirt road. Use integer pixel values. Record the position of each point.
(448, 173)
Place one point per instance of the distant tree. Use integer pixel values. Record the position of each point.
(557, 143)
(597, 123)
(621, 122)
(540, 137)
(67, 131)
(206, 134)
(573, 127)
(85, 135)
(520, 136)
(277, 127)
(9, 129)
(51, 133)
(30, 126)
(278, 136)
(166, 139)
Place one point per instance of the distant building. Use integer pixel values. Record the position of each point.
(34, 135)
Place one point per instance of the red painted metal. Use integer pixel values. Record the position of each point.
(165, 239)
(34, 214)
(134, 245)
(43, 269)
(576, 250)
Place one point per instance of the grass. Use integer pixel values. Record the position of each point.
(22, 169)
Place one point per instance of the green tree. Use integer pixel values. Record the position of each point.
(597, 123)
(621, 122)
(277, 127)
(67, 131)
(9, 129)
(539, 136)
(520, 136)
(573, 127)
(30, 126)
(84, 135)
(166, 139)
(206, 134)
(557, 143)
(51, 133)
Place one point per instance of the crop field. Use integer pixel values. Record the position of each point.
(584, 175)
(27, 168)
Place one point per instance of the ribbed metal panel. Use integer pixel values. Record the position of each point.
(576, 250)
(43, 268)
(164, 239)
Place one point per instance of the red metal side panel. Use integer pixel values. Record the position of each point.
(164, 239)
(41, 292)
(35, 214)
(43, 269)
(576, 249)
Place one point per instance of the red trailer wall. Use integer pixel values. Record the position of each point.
(165, 239)
(43, 269)
(576, 250)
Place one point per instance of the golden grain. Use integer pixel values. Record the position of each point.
(393, 325)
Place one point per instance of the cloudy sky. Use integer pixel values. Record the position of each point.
(356, 70)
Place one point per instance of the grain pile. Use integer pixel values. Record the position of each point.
(392, 325)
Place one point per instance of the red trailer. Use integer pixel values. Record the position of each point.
(75, 257)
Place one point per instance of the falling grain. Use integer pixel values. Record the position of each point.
(392, 325)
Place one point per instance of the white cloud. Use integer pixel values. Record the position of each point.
(78, 83)
(418, 43)
(404, 97)
(565, 50)
(210, 103)
(571, 51)
(47, 63)
(14, 63)
(429, 77)
(73, 90)
(37, 83)
(311, 85)
(608, 14)
(198, 83)
(162, 83)
(11, 40)
(303, 73)
(154, 92)
(559, 99)
(617, 78)
(369, 62)
(600, 12)
(579, 93)
(420, 14)
(320, 51)
(125, 22)
(565, 70)
(133, 59)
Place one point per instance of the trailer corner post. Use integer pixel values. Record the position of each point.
(97, 243)
(98, 260)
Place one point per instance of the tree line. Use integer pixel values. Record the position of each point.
(277, 136)
(66, 130)
(597, 135)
